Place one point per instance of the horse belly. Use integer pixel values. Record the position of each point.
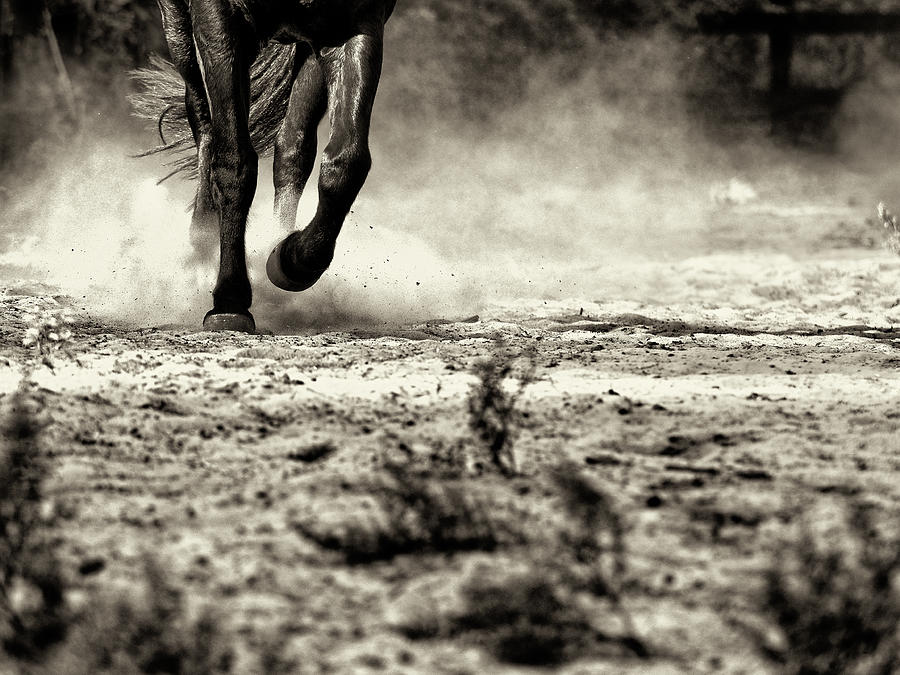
(319, 22)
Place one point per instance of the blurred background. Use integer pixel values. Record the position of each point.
(512, 139)
(66, 62)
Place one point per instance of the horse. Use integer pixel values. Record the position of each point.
(252, 76)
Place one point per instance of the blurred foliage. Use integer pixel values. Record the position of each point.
(106, 33)
(109, 33)
(480, 38)
(444, 58)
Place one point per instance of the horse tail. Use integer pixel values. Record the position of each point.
(160, 100)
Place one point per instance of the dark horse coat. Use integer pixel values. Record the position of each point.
(253, 75)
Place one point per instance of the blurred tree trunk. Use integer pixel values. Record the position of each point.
(6, 45)
(62, 73)
(19, 19)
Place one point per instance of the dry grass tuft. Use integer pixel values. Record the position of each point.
(835, 598)
(312, 453)
(49, 335)
(594, 538)
(418, 514)
(150, 634)
(32, 605)
(552, 611)
(889, 221)
(492, 407)
(526, 619)
(39, 630)
(594, 545)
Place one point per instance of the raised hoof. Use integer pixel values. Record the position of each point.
(242, 323)
(276, 274)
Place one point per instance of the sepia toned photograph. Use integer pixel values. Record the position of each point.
(464, 337)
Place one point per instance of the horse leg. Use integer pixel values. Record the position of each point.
(295, 144)
(351, 73)
(176, 22)
(224, 47)
(203, 219)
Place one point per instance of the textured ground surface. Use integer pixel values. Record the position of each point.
(758, 385)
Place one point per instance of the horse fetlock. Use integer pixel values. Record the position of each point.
(308, 249)
(232, 296)
(299, 261)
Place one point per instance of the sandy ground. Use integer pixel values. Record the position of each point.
(753, 387)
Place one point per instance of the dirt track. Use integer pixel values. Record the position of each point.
(755, 387)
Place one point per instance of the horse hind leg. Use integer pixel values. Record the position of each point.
(178, 32)
(226, 60)
(204, 225)
(295, 144)
(351, 73)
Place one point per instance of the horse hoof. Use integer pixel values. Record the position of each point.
(276, 274)
(243, 323)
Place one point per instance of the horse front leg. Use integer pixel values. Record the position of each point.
(351, 73)
(226, 58)
(295, 144)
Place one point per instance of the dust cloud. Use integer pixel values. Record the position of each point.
(558, 195)
(97, 227)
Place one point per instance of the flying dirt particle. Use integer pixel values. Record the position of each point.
(754, 475)
(312, 453)
(603, 460)
(91, 566)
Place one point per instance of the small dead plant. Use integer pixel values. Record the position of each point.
(594, 536)
(594, 543)
(149, 633)
(32, 604)
(547, 613)
(49, 335)
(835, 599)
(527, 619)
(40, 631)
(492, 405)
(892, 228)
(416, 514)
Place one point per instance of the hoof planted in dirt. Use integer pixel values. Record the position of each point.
(276, 274)
(242, 323)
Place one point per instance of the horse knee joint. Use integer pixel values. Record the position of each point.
(233, 177)
(346, 170)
